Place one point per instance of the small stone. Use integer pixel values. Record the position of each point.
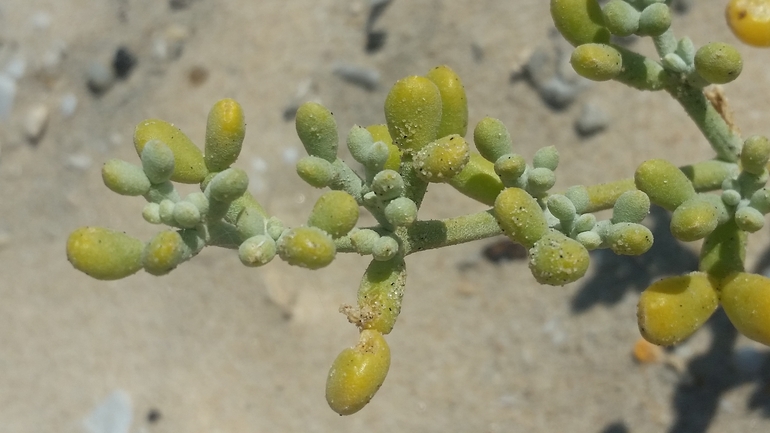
(68, 104)
(367, 78)
(176, 5)
(35, 122)
(99, 77)
(592, 120)
(123, 62)
(113, 415)
(645, 352)
(198, 75)
(169, 44)
(79, 161)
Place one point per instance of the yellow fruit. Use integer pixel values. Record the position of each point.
(557, 260)
(520, 216)
(579, 21)
(597, 62)
(225, 130)
(413, 112)
(104, 254)
(750, 21)
(746, 300)
(454, 104)
(308, 247)
(357, 373)
(164, 253)
(673, 308)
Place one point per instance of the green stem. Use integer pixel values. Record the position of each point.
(431, 234)
(665, 43)
(725, 142)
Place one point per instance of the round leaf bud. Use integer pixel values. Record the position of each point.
(520, 216)
(629, 239)
(597, 62)
(257, 250)
(384, 249)
(307, 247)
(228, 185)
(363, 240)
(189, 166)
(654, 20)
(672, 309)
(579, 21)
(380, 133)
(125, 178)
(492, 139)
(388, 184)
(317, 130)
(186, 214)
(631, 207)
(104, 254)
(664, 183)
(359, 141)
(315, 171)
(749, 219)
(694, 219)
(166, 212)
(755, 154)
(442, 159)
(151, 213)
(585, 222)
(561, 207)
(590, 240)
(510, 167)
(540, 180)
(745, 299)
(164, 253)
(731, 197)
(546, 157)
(718, 62)
(401, 212)
(225, 130)
(335, 212)
(413, 113)
(620, 18)
(357, 373)
(454, 104)
(557, 260)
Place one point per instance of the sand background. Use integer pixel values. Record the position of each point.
(217, 347)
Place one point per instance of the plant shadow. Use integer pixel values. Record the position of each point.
(614, 275)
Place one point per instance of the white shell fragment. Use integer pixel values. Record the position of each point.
(35, 122)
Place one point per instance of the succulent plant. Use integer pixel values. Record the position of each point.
(423, 141)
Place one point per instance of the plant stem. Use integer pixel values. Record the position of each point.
(725, 142)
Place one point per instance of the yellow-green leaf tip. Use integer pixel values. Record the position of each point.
(357, 373)
(104, 254)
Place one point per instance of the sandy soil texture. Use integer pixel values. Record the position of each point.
(216, 347)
